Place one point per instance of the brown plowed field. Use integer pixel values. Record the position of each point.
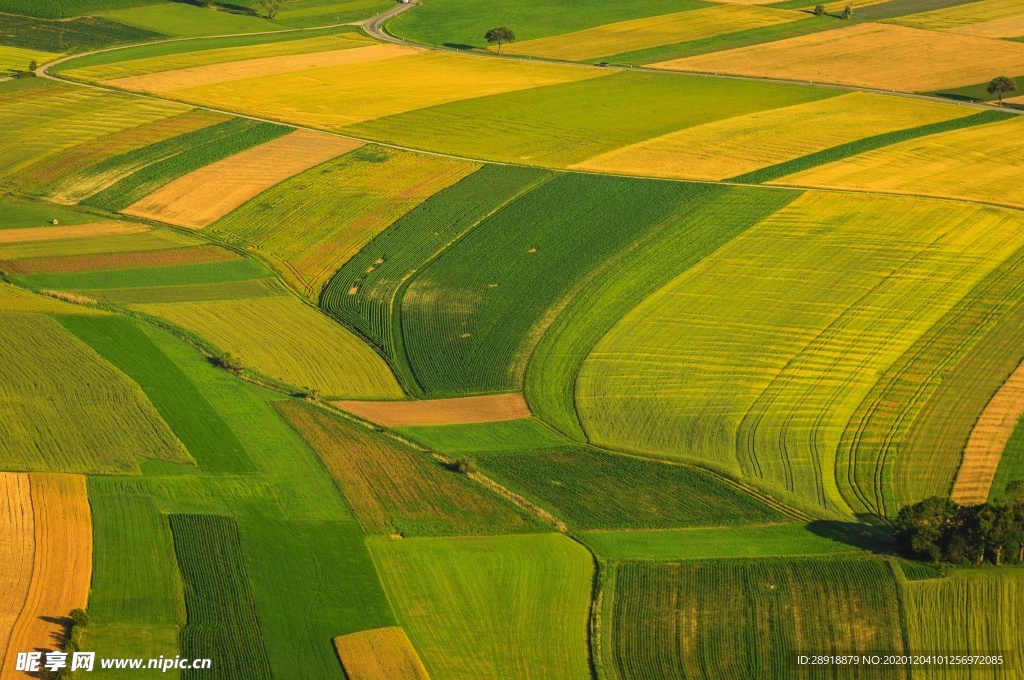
(988, 439)
(202, 197)
(491, 408)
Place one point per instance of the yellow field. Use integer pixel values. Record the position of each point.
(58, 233)
(136, 67)
(982, 163)
(336, 96)
(200, 198)
(959, 16)
(486, 409)
(17, 549)
(285, 339)
(17, 300)
(380, 654)
(17, 58)
(869, 55)
(61, 565)
(640, 34)
(734, 146)
(211, 74)
(1012, 27)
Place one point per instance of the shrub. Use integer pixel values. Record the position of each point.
(819, 10)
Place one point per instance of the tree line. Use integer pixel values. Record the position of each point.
(940, 530)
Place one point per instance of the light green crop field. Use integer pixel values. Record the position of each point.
(503, 607)
(785, 327)
(506, 435)
(187, 20)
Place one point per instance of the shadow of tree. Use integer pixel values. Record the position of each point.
(863, 535)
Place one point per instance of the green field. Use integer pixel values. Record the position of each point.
(506, 435)
(744, 618)
(1011, 465)
(393, 489)
(80, 34)
(595, 490)
(503, 607)
(183, 20)
(19, 213)
(143, 277)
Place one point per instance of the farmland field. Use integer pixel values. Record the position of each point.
(521, 434)
(380, 654)
(962, 17)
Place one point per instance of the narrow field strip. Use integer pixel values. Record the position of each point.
(213, 74)
(61, 567)
(963, 16)
(882, 56)
(14, 299)
(17, 555)
(485, 409)
(128, 260)
(200, 198)
(1012, 27)
(638, 34)
(380, 654)
(58, 233)
(988, 440)
(743, 144)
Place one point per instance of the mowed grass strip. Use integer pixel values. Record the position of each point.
(284, 339)
(495, 606)
(394, 489)
(520, 435)
(222, 621)
(309, 226)
(562, 124)
(17, 549)
(380, 654)
(723, 618)
(882, 56)
(596, 490)
(68, 410)
(857, 280)
(742, 144)
(366, 291)
(129, 260)
(336, 96)
(203, 196)
(981, 163)
(638, 34)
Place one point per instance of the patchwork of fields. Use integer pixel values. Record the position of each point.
(329, 355)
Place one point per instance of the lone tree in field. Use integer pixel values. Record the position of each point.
(32, 66)
(271, 7)
(848, 12)
(819, 10)
(1000, 85)
(500, 35)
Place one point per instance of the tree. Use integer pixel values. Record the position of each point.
(500, 35)
(271, 7)
(848, 12)
(230, 362)
(32, 66)
(1015, 490)
(922, 528)
(465, 466)
(819, 10)
(1001, 85)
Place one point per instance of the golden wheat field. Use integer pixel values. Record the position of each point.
(203, 196)
(982, 163)
(639, 34)
(58, 233)
(17, 550)
(380, 654)
(737, 145)
(1011, 27)
(882, 56)
(963, 15)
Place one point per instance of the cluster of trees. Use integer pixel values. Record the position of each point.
(938, 529)
(819, 10)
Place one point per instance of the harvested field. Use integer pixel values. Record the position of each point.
(981, 163)
(200, 198)
(61, 566)
(308, 226)
(282, 338)
(128, 260)
(394, 489)
(742, 144)
(200, 76)
(639, 34)
(963, 16)
(1012, 27)
(17, 553)
(58, 233)
(988, 440)
(336, 96)
(490, 408)
(880, 56)
(379, 654)
(17, 300)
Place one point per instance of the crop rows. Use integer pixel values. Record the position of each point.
(80, 34)
(745, 618)
(222, 623)
(520, 435)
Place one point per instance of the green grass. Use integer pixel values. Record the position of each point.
(68, 410)
(185, 20)
(471, 317)
(867, 144)
(19, 213)
(182, 155)
(56, 9)
(745, 618)
(201, 292)
(501, 607)
(143, 277)
(1011, 465)
(757, 358)
(559, 125)
(380, 271)
(906, 439)
(304, 13)
(395, 490)
(596, 490)
(710, 217)
(207, 437)
(81, 34)
(222, 622)
(464, 22)
(779, 540)
(507, 435)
